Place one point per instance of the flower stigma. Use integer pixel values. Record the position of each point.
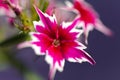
(56, 43)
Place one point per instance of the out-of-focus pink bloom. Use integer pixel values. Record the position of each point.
(58, 42)
(5, 9)
(10, 7)
(11, 21)
(89, 17)
(56, 7)
(51, 7)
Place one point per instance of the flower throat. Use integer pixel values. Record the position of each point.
(56, 43)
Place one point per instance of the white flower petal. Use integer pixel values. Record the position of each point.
(50, 61)
(37, 49)
(35, 23)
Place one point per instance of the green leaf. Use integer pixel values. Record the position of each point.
(3, 61)
(43, 5)
(32, 76)
(14, 40)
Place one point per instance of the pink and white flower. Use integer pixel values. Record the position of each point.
(58, 42)
(88, 17)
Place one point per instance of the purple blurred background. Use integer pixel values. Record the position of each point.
(105, 50)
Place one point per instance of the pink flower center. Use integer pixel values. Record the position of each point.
(56, 43)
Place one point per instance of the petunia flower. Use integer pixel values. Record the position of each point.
(58, 42)
(88, 17)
